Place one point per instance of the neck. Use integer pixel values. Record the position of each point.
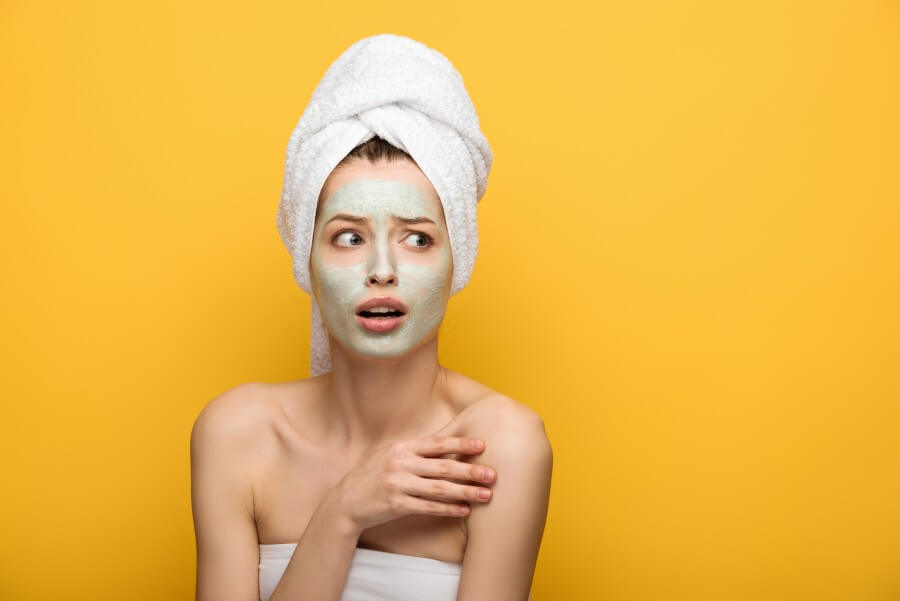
(370, 401)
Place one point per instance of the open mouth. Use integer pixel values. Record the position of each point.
(379, 319)
(380, 314)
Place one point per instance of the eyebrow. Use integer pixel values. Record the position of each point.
(364, 220)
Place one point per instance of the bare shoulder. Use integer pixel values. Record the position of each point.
(483, 402)
(256, 420)
(497, 417)
(236, 427)
(504, 422)
(235, 415)
(499, 409)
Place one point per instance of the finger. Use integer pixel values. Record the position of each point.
(414, 505)
(444, 490)
(443, 445)
(433, 467)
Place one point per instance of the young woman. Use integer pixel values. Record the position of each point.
(362, 483)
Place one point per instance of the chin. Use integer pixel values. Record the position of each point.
(387, 348)
(378, 353)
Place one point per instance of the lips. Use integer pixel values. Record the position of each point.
(381, 314)
(382, 301)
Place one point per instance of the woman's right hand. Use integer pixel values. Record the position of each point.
(405, 478)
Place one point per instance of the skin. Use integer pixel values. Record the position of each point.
(411, 262)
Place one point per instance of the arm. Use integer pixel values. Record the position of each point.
(222, 503)
(504, 536)
(224, 438)
(321, 561)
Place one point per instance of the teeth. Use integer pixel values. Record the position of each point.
(379, 310)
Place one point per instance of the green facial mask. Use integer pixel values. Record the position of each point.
(341, 270)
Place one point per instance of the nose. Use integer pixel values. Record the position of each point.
(385, 280)
(382, 270)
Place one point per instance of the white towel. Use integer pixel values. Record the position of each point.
(410, 95)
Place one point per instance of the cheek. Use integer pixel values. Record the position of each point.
(430, 283)
(336, 283)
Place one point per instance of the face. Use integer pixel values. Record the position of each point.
(380, 232)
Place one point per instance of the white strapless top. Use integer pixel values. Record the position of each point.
(373, 576)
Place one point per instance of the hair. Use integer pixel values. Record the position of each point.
(374, 150)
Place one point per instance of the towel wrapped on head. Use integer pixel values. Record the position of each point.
(410, 95)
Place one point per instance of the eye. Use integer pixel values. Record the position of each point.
(352, 238)
(424, 240)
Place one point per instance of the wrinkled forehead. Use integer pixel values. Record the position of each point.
(381, 199)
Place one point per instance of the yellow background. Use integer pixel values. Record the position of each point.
(688, 266)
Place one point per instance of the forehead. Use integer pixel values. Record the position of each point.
(381, 199)
(383, 187)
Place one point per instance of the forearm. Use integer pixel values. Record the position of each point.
(321, 561)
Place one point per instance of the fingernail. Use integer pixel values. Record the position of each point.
(489, 474)
(476, 444)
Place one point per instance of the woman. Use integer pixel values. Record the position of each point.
(360, 482)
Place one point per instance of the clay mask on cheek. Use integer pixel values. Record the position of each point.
(422, 278)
